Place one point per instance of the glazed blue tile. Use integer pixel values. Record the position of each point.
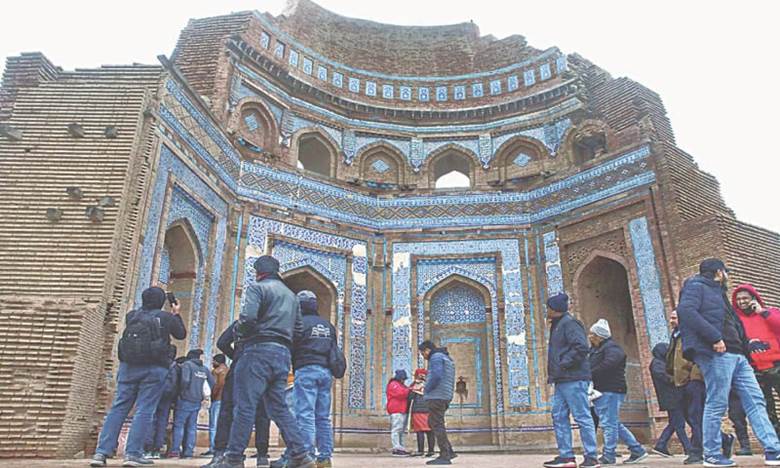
(308, 66)
(354, 85)
(338, 79)
(476, 90)
(293, 58)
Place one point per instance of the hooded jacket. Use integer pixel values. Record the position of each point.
(271, 313)
(153, 300)
(702, 311)
(669, 397)
(608, 367)
(397, 397)
(313, 346)
(764, 327)
(567, 351)
(441, 376)
(193, 374)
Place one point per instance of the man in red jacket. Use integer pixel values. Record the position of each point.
(762, 328)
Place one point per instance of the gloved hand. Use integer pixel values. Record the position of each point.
(757, 346)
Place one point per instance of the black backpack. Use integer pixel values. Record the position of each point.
(337, 363)
(142, 341)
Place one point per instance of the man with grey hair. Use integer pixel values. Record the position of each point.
(608, 370)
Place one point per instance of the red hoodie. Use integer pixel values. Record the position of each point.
(759, 328)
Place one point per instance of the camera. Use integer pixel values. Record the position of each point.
(171, 299)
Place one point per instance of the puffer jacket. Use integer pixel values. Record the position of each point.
(763, 328)
(441, 376)
(608, 367)
(567, 351)
(397, 397)
(669, 396)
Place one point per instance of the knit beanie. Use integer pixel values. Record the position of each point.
(601, 329)
(559, 302)
(266, 264)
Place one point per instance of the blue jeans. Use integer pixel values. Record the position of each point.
(213, 418)
(722, 372)
(608, 410)
(156, 437)
(312, 405)
(262, 373)
(139, 385)
(676, 425)
(185, 427)
(572, 398)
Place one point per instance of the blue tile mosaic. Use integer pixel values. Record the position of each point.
(251, 122)
(521, 160)
(332, 266)
(495, 87)
(338, 79)
(424, 94)
(405, 93)
(529, 78)
(322, 73)
(649, 281)
(544, 72)
(265, 40)
(370, 88)
(552, 263)
(512, 83)
(459, 93)
(308, 66)
(561, 64)
(293, 58)
(164, 274)
(279, 50)
(441, 93)
(354, 85)
(387, 91)
(477, 90)
(380, 166)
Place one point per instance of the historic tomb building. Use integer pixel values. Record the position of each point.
(327, 141)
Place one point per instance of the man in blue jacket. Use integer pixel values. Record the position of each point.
(140, 383)
(438, 395)
(185, 418)
(713, 337)
(269, 322)
(313, 380)
(568, 369)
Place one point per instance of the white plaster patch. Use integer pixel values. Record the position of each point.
(516, 339)
(359, 279)
(401, 260)
(359, 250)
(253, 251)
(402, 322)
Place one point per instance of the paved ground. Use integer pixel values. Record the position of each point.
(384, 461)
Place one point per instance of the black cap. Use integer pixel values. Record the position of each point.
(427, 344)
(266, 264)
(712, 265)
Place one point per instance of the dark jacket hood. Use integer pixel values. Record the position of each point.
(749, 288)
(152, 298)
(660, 350)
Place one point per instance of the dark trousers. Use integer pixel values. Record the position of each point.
(437, 409)
(676, 425)
(769, 382)
(155, 438)
(739, 419)
(262, 421)
(421, 436)
(693, 402)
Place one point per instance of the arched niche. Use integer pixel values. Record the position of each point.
(451, 167)
(315, 153)
(307, 278)
(521, 160)
(381, 166)
(256, 130)
(586, 142)
(184, 260)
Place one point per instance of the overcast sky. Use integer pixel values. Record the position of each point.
(714, 63)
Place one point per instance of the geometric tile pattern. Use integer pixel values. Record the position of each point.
(333, 267)
(380, 166)
(552, 263)
(649, 281)
(456, 305)
(521, 160)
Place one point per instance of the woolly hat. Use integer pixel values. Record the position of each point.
(712, 265)
(152, 298)
(400, 375)
(559, 302)
(266, 264)
(420, 371)
(308, 301)
(601, 329)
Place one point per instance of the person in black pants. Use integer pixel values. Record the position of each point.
(231, 349)
(419, 415)
(739, 419)
(670, 399)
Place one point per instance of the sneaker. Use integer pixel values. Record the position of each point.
(635, 458)
(590, 463)
(262, 461)
(453, 455)
(214, 461)
(744, 452)
(226, 462)
(137, 461)
(662, 451)
(417, 454)
(304, 462)
(207, 453)
(98, 459)
(326, 463)
(439, 461)
(400, 453)
(693, 460)
(772, 459)
(607, 461)
(430, 454)
(173, 455)
(561, 462)
(154, 455)
(718, 460)
(728, 445)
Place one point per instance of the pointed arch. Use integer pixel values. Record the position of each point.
(255, 127)
(306, 277)
(521, 157)
(451, 158)
(315, 151)
(381, 162)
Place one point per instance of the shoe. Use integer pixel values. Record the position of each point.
(207, 453)
(214, 461)
(155, 455)
(226, 462)
(662, 451)
(430, 454)
(635, 458)
(439, 461)
(280, 463)
(137, 461)
(304, 462)
(417, 454)
(561, 462)
(744, 452)
(262, 461)
(693, 460)
(772, 459)
(326, 463)
(173, 455)
(400, 453)
(607, 461)
(590, 463)
(98, 459)
(728, 445)
(718, 460)
(453, 455)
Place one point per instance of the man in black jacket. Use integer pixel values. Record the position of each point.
(139, 384)
(313, 380)
(268, 324)
(608, 368)
(670, 399)
(568, 369)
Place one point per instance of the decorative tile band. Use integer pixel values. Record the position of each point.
(649, 281)
(552, 263)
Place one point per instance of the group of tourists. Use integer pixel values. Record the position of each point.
(724, 354)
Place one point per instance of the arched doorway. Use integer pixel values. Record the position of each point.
(315, 155)
(457, 317)
(603, 292)
(183, 262)
(307, 278)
